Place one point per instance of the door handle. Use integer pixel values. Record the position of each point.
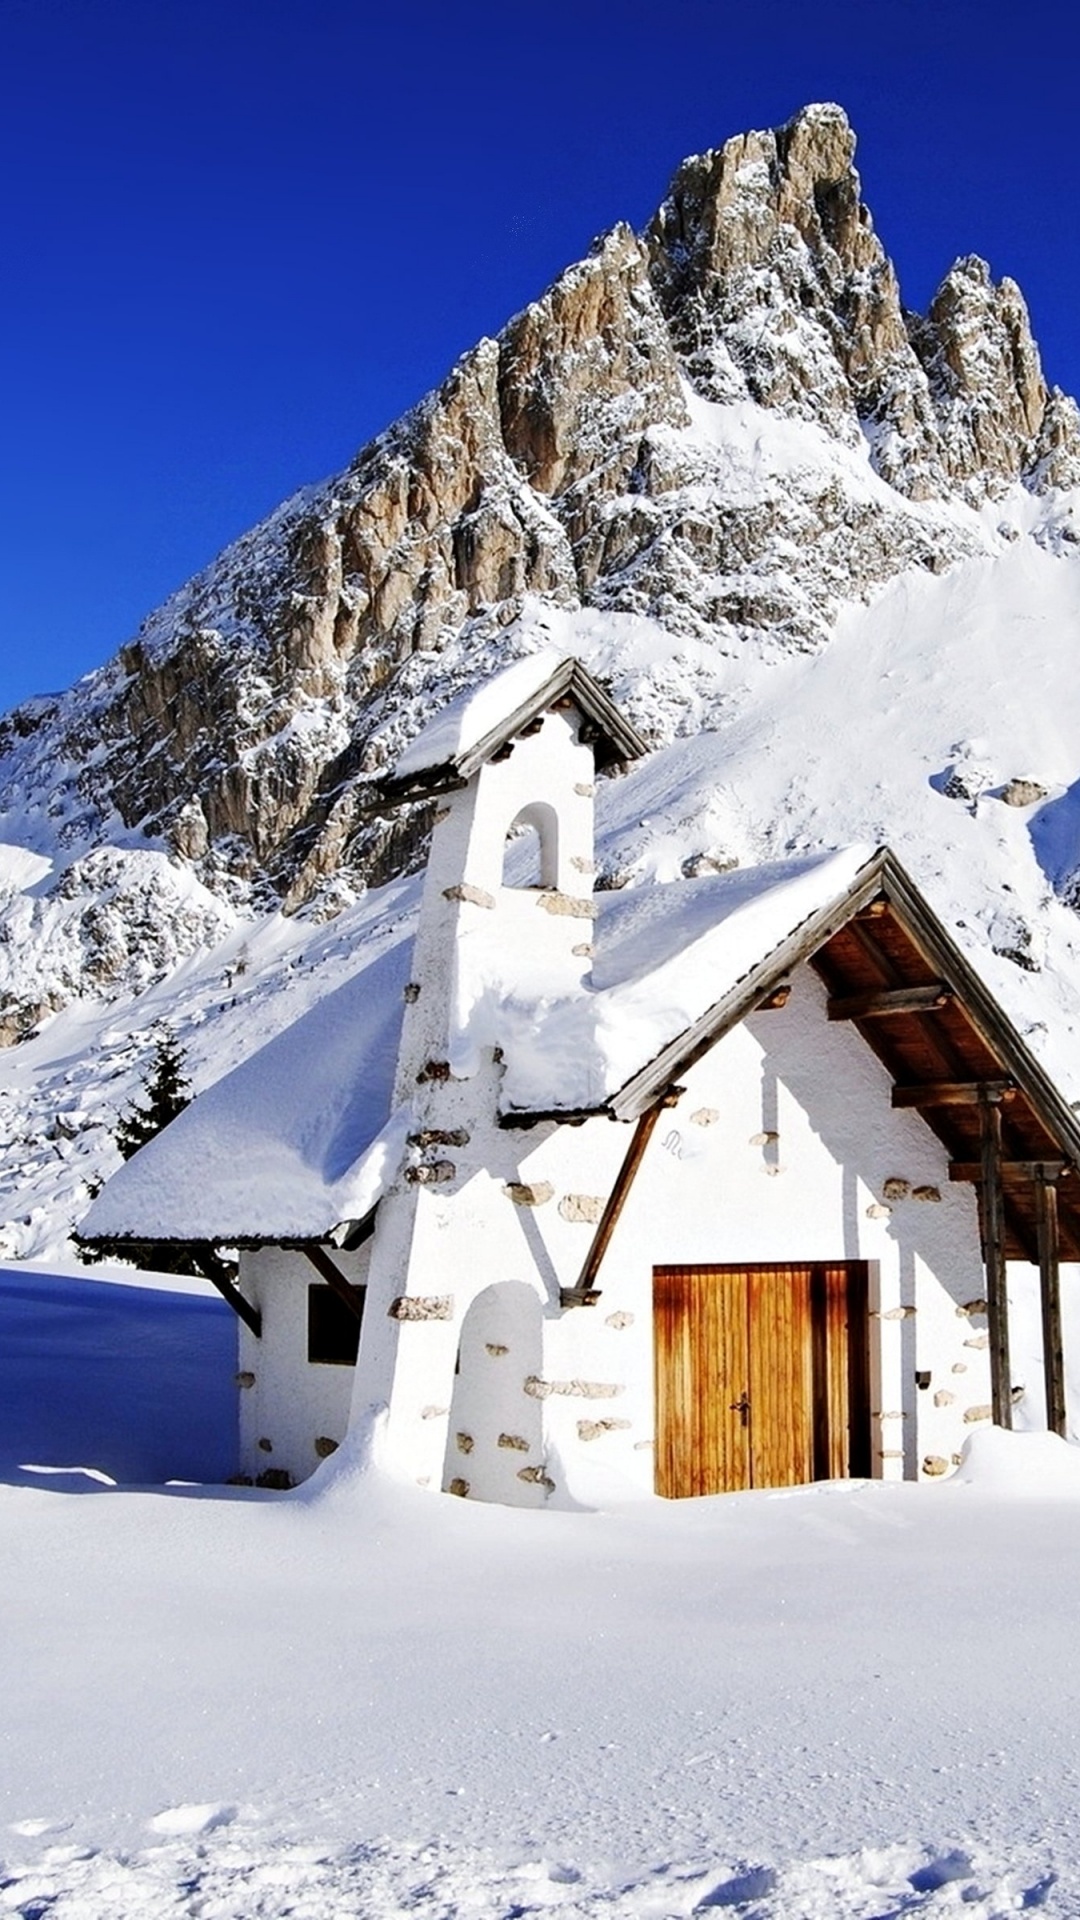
(742, 1407)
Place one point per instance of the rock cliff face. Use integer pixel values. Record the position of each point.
(604, 452)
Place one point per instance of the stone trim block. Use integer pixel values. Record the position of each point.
(431, 1173)
(526, 1193)
(594, 1429)
(567, 904)
(474, 896)
(582, 1208)
(539, 1389)
(535, 1476)
(418, 1306)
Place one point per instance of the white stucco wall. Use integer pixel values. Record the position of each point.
(287, 1404)
(779, 1150)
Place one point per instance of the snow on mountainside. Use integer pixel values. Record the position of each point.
(823, 550)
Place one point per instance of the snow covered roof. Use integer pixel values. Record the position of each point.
(296, 1139)
(301, 1138)
(474, 727)
(665, 955)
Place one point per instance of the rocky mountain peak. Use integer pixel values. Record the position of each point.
(775, 286)
(728, 427)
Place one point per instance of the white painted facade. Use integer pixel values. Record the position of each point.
(782, 1148)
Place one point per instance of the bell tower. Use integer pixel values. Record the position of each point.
(507, 905)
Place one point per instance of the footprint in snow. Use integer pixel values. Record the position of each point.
(201, 1818)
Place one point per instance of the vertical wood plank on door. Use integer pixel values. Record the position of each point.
(832, 1401)
(700, 1343)
(781, 1377)
(674, 1383)
(723, 1379)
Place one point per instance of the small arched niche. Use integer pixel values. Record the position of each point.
(531, 854)
(494, 1446)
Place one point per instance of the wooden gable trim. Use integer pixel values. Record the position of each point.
(745, 996)
(615, 739)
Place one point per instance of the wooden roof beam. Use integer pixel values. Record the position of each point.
(893, 1000)
(953, 1093)
(1023, 1170)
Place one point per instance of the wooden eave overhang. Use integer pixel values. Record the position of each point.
(614, 740)
(346, 1236)
(894, 973)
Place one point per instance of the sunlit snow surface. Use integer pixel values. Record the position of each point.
(850, 1699)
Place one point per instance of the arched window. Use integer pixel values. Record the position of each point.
(531, 858)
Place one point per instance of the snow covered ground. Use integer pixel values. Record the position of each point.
(846, 1700)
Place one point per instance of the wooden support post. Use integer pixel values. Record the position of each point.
(993, 1238)
(329, 1271)
(1050, 1290)
(215, 1270)
(586, 1293)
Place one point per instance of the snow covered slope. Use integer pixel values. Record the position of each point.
(823, 551)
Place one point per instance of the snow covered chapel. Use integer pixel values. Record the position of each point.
(689, 1187)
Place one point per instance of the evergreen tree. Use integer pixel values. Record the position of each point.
(167, 1093)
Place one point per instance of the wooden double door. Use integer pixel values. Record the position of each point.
(762, 1376)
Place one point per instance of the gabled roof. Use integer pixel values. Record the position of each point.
(894, 972)
(301, 1139)
(473, 729)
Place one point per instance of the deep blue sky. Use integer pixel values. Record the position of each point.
(241, 235)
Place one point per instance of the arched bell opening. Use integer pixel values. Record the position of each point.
(531, 853)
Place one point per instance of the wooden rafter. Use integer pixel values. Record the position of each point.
(1022, 1172)
(329, 1271)
(952, 1093)
(213, 1267)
